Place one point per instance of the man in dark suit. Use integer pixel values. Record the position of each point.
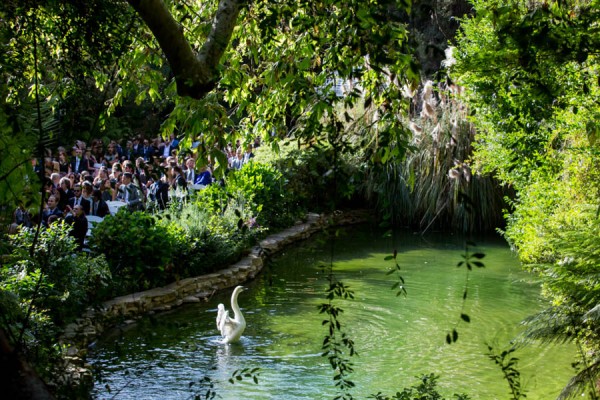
(79, 163)
(79, 200)
(51, 209)
(79, 224)
(130, 194)
(99, 206)
(65, 193)
(137, 148)
(147, 151)
(129, 153)
(190, 172)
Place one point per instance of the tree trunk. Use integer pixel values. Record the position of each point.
(195, 74)
(17, 379)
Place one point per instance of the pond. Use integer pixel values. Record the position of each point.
(397, 338)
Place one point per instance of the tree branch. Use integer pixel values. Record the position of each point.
(195, 75)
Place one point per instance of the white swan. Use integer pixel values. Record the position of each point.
(231, 329)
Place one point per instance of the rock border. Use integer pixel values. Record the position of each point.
(127, 309)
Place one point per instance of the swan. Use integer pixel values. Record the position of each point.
(231, 328)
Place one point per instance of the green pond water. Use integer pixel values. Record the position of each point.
(396, 338)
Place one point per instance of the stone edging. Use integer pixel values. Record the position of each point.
(79, 334)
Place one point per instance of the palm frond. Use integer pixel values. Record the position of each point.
(583, 381)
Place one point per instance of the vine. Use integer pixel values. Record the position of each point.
(336, 343)
(470, 260)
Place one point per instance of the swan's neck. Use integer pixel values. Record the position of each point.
(237, 313)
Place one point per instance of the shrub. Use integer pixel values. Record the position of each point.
(43, 288)
(264, 188)
(204, 240)
(260, 190)
(137, 250)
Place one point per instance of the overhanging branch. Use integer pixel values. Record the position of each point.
(195, 75)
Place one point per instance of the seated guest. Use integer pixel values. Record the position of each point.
(111, 156)
(92, 162)
(248, 154)
(237, 162)
(79, 163)
(190, 172)
(87, 189)
(98, 150)
(99, 206)
(22, 217)
(129, 153)
(129, 193)
(51, 209)
(116, 171)
(141, 171)
(78, 199)
(65, 191)
(204, 177)
(177, 179)
(147, 151)
(55, 178)
(79, 224)
(158, 192)
(63, 162)
(51, 166)
(108, 187)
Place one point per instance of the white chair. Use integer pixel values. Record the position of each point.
(113, 206)
(92, 220)
(195, 187)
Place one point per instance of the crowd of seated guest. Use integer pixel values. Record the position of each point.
(86, 180)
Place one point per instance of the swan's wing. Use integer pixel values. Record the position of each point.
(227, 327)
(232, 330)
(222, 316)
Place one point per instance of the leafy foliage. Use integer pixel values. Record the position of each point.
(399, 285)
(508, 364)
(136, 248)
(239, 374)
(337, 345)
(264, 189)
(530, 70)
(204, 241)
(425, 390)
(523, 69)
(16, 170)
(317, 184)
(470, 260)
(205, 389)
(43, 290)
